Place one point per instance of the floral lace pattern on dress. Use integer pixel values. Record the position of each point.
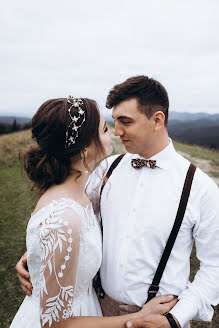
(60, 237)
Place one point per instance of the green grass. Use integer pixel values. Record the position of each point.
(194, 263)
(214, 174)
(16, 205)
(17, 202)
(206, 159)
(11, 144)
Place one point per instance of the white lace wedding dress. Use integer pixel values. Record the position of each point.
(64, 247)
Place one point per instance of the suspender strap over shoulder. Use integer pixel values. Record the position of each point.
(110, 171)
(97, 281)
(153, 289)
(114, 165)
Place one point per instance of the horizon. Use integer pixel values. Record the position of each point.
(105, 115)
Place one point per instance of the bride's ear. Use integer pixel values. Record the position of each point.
(83, 154)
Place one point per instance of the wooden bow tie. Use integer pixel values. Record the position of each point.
(137, 163)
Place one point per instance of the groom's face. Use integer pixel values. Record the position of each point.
(136, 131)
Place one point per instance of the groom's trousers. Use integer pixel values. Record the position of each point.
(111, 307)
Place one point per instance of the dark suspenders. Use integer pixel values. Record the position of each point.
(110, 171)
(97, 281)
(154, 287)
(108, 174)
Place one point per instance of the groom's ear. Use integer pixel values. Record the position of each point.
(159, 120)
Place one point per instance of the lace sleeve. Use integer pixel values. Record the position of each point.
(60, 244)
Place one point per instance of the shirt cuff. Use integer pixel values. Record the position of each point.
(184, 311)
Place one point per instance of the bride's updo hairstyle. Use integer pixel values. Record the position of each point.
(62, 133)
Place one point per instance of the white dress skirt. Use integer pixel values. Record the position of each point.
(64, 247)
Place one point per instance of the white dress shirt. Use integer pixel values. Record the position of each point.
(138, 209)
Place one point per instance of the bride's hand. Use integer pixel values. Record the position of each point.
(159, 305)
(151, 315)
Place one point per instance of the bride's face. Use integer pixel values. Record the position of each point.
(105, 137)
(94, 154)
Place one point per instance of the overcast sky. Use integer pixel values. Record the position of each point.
(52, 49)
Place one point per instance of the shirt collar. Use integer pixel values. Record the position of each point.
(164, 159)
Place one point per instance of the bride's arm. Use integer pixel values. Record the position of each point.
(156, 307)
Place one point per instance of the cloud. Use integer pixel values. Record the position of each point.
(53, 49)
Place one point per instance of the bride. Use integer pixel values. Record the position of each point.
(64, 242)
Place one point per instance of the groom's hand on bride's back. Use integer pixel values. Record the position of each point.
(23, 275)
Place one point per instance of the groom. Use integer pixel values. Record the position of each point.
(138, 209)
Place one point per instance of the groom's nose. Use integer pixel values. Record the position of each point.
(118, 130)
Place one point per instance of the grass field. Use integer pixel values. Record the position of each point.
(17, 202)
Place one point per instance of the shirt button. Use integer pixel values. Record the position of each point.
(121, 265)
(133, 210)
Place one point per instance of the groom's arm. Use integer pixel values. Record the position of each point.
(196, 301)
(23, 274)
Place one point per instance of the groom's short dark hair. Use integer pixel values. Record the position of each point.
(150, 94)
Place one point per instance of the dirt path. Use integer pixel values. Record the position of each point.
(204, 164)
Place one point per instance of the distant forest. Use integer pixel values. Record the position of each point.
(10, 124)
(13, 127)
(202, 132)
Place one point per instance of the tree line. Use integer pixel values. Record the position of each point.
(13, 127)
